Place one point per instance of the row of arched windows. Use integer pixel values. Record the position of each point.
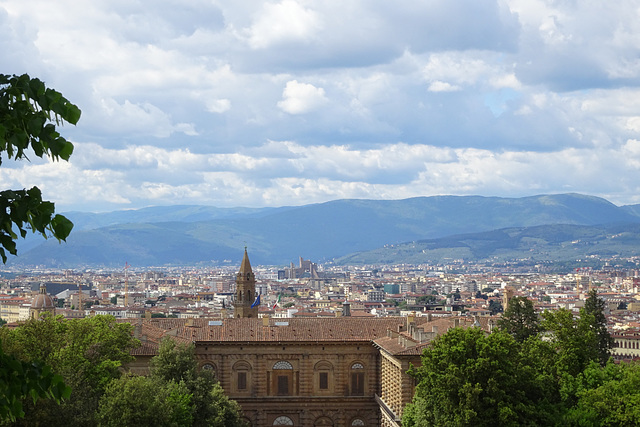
(282, 364)
(283, 420)
(283, 380)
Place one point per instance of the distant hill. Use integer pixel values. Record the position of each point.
(189, 235)
(558, 243)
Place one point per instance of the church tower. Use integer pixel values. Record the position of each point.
(245, 290)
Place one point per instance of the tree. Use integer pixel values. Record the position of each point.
(573, 339)
(210, 406)
(88, 353)
(520, 319)
(607, 396)
(29, 113)
(469, 378)
(595, 306)
(495, 306)
(140, 401)
(19, 380)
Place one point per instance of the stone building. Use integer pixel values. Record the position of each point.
(42, 303)
(340, 371)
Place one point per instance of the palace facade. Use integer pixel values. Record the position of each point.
(342, 371)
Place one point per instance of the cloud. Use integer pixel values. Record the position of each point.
(284, 22)
(301, 98)
(291, 101)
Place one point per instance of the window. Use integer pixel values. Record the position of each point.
(357, 379)
(282, 365)
(242, 380)
(323, 380)
(242, 376)
(357, 422)
(283, 421)
(283, 385)
(323, 374)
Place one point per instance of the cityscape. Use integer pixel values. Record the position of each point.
(319, 214)
(377, 318)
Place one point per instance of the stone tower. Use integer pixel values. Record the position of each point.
(245, 290)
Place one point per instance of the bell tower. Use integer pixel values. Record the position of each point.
(245, 290)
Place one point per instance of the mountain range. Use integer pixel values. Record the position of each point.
(343, 231)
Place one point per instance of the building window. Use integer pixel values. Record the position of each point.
(357, 422)
(283, 385)
(242, 376)
(242, 380)
(323, 372)
(282, 365)
(357, 379)
(283, 421)
(323, 380)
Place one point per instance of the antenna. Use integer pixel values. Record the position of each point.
(126, 284)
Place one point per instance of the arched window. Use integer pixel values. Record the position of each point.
(283, 421)
(357, 422)
(323, 422)
(283, 378)
(323, 373)
(242, 376)
(357, 379)
(283, 364)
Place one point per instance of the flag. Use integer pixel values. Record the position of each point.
(256, 302)
(277, 302)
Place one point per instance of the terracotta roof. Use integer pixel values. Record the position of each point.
(279, 330)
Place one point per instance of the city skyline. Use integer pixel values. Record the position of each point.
(296, 102)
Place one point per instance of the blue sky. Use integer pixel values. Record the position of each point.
(253, 103)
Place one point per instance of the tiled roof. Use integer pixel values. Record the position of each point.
(279, 330)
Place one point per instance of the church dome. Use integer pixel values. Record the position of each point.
(42, 300)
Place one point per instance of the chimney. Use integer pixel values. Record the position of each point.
(346, 308)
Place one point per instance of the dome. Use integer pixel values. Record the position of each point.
(42, 300)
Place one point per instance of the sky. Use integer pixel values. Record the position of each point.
(250, 103)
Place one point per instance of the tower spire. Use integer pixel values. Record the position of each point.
(245, 290)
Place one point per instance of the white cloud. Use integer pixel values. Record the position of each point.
(438, 86)
(283, 22)
(183, 101)
(218, 105)
(301, 98)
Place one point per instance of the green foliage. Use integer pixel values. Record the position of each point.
(495, 306)
(426, 299)
(520, 319)
(176, 363)
(29, 113)
(87, 353)
(528, 373)
(595, 306)
(20, 380)
(141, 401)
(607, 396)
(469, 378)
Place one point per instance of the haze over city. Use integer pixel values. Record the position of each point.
(295, 102)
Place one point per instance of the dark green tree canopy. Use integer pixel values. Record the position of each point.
(520, 319)
(470, 378)
(595, 306)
